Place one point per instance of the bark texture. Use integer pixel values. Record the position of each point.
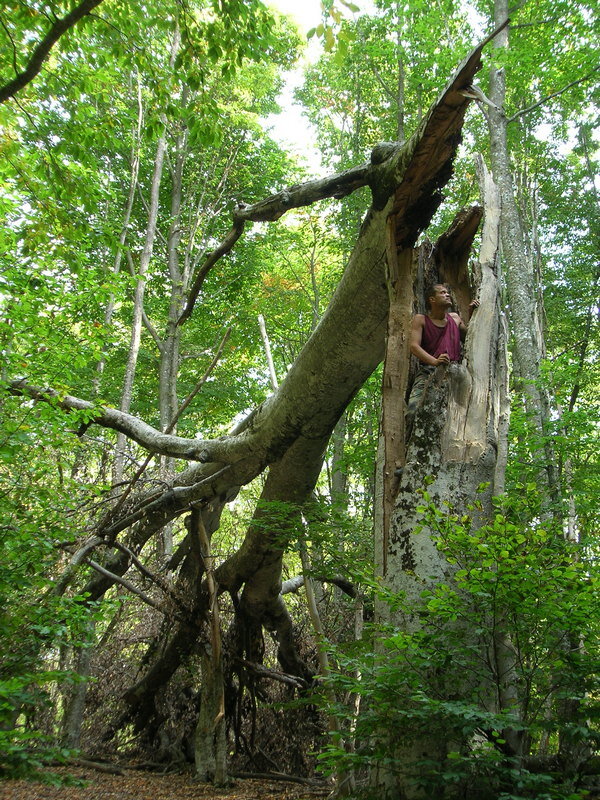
(522, 276)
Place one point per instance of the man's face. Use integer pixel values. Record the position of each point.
(441, 298)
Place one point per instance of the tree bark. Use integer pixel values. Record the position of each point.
(75, 706)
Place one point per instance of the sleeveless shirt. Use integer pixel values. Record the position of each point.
(436, 340)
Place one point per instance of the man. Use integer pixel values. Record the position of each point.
(435, 339)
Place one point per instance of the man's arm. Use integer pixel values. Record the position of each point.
(416, 335)
(463, 326)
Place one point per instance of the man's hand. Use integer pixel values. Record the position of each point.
(443, 358)
(472, 306)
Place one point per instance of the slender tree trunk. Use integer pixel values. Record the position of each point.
(133, 185)
(345, 781)
(400, 130)
(524, 293)
(339, 474)
(210, 746)
(75, 706)
(521, 274)
(138, 304)
(138, 301)
(169, 349)
(210, 749)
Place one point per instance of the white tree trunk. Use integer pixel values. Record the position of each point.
(138, 302)
(522, 278)
(138, 305)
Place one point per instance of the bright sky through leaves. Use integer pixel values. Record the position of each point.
(291, 128)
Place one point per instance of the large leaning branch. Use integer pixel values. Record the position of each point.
(346, 346)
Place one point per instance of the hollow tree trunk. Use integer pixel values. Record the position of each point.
(454, 445)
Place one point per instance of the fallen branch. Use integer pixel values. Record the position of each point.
(110, 769)
(279, 776)
(265, 672)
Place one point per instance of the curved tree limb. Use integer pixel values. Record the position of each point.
(42, 49)
(136, 429)
(125, 583)
(344, 349)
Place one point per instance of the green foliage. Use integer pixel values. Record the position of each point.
(24, 751)
(35, 622)
(514, 581)
(110, 88)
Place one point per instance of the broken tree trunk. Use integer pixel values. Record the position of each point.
(406, 183)
(452, 451)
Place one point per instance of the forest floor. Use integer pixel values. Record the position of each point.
(137, 785)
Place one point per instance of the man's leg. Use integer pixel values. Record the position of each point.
(416, 393)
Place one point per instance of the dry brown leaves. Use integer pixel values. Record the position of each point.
(136, 785)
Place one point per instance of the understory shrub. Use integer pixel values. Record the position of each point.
(517, 583)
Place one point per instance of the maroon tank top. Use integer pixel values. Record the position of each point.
(436, 341)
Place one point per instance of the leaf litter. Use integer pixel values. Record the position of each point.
(136, 785)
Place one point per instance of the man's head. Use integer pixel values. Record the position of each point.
(437, 294)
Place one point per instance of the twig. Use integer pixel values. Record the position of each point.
(534, 24)
(12, 41)
(80, 556)
(550, 96)
(125, 583)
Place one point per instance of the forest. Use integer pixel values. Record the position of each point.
(226, 550)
